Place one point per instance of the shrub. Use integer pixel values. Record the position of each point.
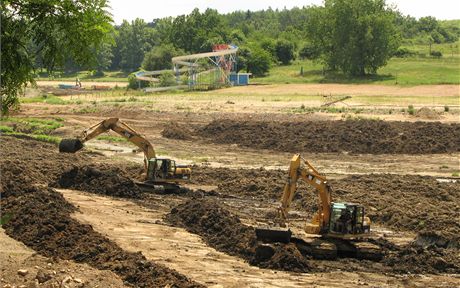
(284, 51)
(403, 53)
(309, 52)
(446, 108)
(436, 54)
(133, 83)
(167, 79)
(258, 61)
(411, 110)
(159, 57)
(98, 73)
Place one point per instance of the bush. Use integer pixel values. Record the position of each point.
(446, 108)
(436, 54)
(403, 53)
(133, 83)
(308, 51)
(258, 61)
(411, 110)
(159, 57)
(98, 73)
(284, 51)
(167, 79)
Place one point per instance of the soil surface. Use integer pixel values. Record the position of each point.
(402, 202)
(101, 180)
(22, 266)
(225, 232)
(414, 217)
(353, 136)
(40, 218)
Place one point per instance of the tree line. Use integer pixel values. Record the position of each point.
(355, 37)
(274, 37)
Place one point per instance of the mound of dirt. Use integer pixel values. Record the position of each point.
(405, 202)
(26, 161)
(354, 136)
(225, 232)
(108, 181)
(42, 221)
(402, 202)
(40, 217)
(176, 131)
(427, 113)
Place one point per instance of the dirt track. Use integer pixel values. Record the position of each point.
(346, 89)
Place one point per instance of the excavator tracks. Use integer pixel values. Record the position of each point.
(333, 248)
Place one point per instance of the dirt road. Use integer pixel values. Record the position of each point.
(345, 89)
(137, 228)
(84, 84)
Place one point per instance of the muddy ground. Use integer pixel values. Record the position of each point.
(410, 203)
(401, 202)
(40, 217)
(350, 136)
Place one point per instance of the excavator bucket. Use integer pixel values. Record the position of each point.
(70, 145)
(270, 234)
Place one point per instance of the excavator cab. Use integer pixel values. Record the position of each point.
(165, 170)
(347, 218)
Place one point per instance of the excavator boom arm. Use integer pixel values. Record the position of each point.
(121, 128)
(313, 178)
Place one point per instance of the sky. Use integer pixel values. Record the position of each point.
(150, 9)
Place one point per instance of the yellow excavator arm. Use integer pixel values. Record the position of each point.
(311, 176)
(114, 124)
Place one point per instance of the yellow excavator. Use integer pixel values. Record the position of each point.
(337, 229)
(159, 171)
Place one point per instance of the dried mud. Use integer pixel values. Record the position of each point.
(352, 136)
(40, 217)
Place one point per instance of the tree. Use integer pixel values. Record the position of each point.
(57, 28)
(159, 57)
(197, 32)
(133, 41)
(354, 36)
(284, 51)
(258, 61)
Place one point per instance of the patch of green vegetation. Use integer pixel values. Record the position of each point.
(49, 99)
(39, 137)
(6, 129)
(411, 110)
(401, 71)
(32, 128)
(455, 174)
(111, 138)
(86, 110)
(443, 167)
(34, 125)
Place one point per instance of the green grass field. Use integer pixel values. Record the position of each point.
(400, 71)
